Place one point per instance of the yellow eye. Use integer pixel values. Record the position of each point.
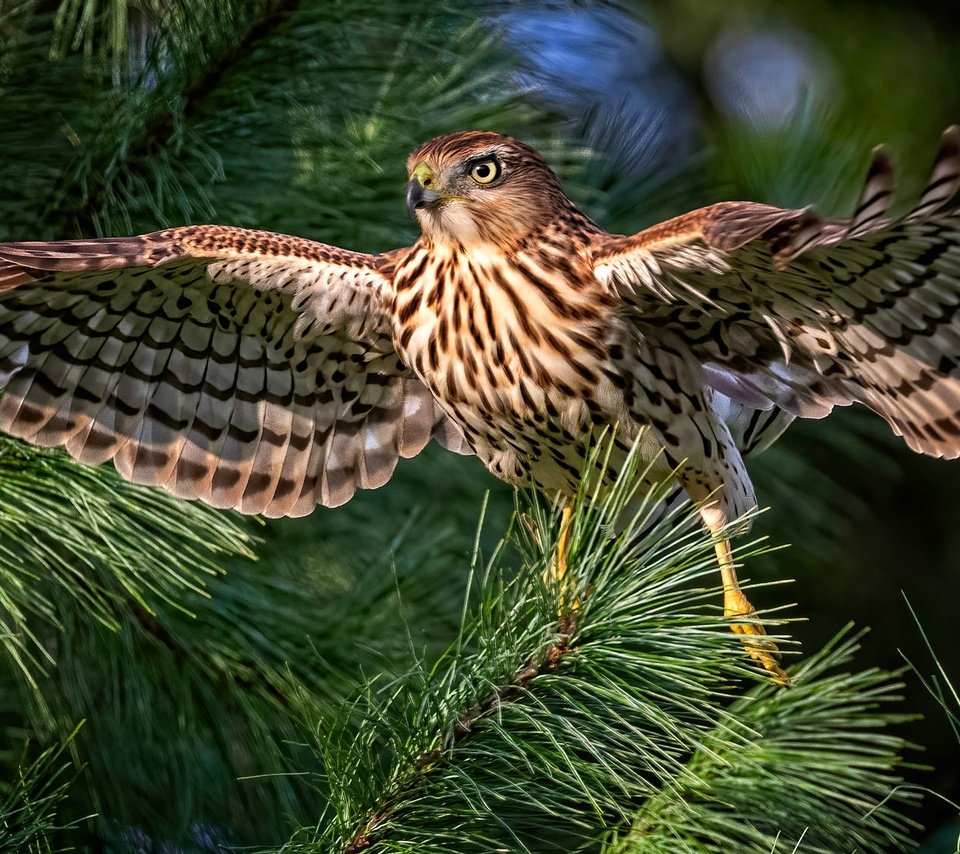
(485, 171)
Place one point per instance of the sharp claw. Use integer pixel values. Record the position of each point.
(747, 624)
(761, 649)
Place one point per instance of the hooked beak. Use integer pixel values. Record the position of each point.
(419, 197)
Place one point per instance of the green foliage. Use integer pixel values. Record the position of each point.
(804, 775)
(30, 800)
(355, 673)
(298, 115)
(73, 537)
(943, 689)
(533, 733)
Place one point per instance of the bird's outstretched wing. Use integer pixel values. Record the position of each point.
(246, 369)
(786, 308)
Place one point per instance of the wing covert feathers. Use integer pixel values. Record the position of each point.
(807, 312)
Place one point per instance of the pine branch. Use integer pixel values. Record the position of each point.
(194, 46)
(511, 690)
(630, 704)
(30, 803)
(102, 542)
(806, 772)
(160, 126)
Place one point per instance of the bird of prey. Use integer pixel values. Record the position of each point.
(269, 373)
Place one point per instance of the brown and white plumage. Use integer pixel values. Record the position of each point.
(806, 313)
(246, 369)
(270, 373)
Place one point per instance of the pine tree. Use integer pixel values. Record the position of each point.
(363, 679)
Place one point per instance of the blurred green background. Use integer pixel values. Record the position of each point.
(119, 117)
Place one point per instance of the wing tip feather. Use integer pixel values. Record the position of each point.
(873, 206)
(944, 181)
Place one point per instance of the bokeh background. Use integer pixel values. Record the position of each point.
(119, 117)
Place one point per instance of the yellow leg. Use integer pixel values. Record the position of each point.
(736, 607)
(556, 574)
(736, 604)
(558, 566)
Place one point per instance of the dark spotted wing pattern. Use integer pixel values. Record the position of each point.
(786, 308)
(245, 369)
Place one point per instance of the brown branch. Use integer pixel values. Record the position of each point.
(547, 662)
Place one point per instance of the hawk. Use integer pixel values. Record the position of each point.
(269, 373)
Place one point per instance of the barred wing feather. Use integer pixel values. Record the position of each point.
(805, 313)
(245, 369)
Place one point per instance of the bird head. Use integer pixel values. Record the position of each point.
(480, 187)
